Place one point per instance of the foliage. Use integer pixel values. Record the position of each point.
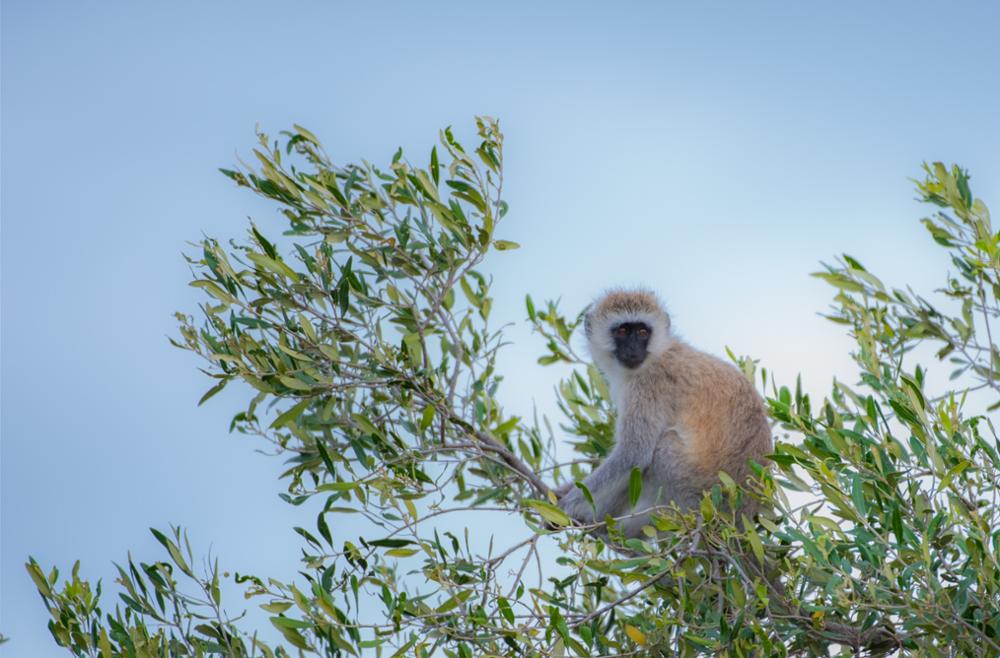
(364, 333)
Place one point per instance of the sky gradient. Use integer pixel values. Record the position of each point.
(715, 152)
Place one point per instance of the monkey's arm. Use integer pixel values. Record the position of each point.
(608, 483)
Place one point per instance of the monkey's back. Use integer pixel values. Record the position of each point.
(721, 417)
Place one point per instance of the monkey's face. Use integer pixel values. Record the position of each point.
(631, 343)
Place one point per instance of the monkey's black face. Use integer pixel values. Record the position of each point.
(631, 343)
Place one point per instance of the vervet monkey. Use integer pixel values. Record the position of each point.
(683, 415)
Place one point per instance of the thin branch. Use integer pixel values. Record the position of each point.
(493, 444)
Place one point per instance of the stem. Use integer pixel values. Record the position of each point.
(491, 443)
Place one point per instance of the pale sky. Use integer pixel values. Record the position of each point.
(715, 152)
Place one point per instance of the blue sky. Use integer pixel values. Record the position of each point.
(713, 151)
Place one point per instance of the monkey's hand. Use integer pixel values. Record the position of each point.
(564, 488)
(572, 502)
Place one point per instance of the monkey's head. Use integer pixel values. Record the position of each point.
(624, 327)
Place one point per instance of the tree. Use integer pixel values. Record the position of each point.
(365, 337)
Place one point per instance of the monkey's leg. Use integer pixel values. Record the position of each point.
(638, 516)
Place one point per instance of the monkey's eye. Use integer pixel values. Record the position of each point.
(643, 333)
(621, 332)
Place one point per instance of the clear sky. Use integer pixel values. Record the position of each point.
(713, 151)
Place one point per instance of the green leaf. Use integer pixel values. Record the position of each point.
(323, 528)
(426, 418)
(276, 607)
(435, 167)
(858, 495)
(840, 281)
(305, 133)
(214, 291)
(174, 550)
(634, 486)
(293, 383)
(952, 473)
(38, 578)
(401, 552)
(212, 391)
(272, 265)
(338, 486)
(307, 328)
(549, 512)
(366, 425)
(414, 349)
(390, 543)
(291, 414)
(505, 609)
(287, 629)
(454, 601)
(754, 539)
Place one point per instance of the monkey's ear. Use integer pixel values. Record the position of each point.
(587, 325)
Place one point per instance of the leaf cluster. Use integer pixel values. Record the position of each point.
(363, 336)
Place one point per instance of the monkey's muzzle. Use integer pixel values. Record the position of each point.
(631, 355)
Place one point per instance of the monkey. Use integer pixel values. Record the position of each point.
(682, 415)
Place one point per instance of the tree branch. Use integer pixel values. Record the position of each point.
(491, 443)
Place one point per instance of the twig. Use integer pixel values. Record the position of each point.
(493, 444)
(625, 597)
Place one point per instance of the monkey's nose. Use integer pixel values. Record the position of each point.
(632, 361)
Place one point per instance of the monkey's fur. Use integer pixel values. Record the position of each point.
(683, 415)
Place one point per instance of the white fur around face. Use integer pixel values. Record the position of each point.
(601, 339)
(602, 344)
